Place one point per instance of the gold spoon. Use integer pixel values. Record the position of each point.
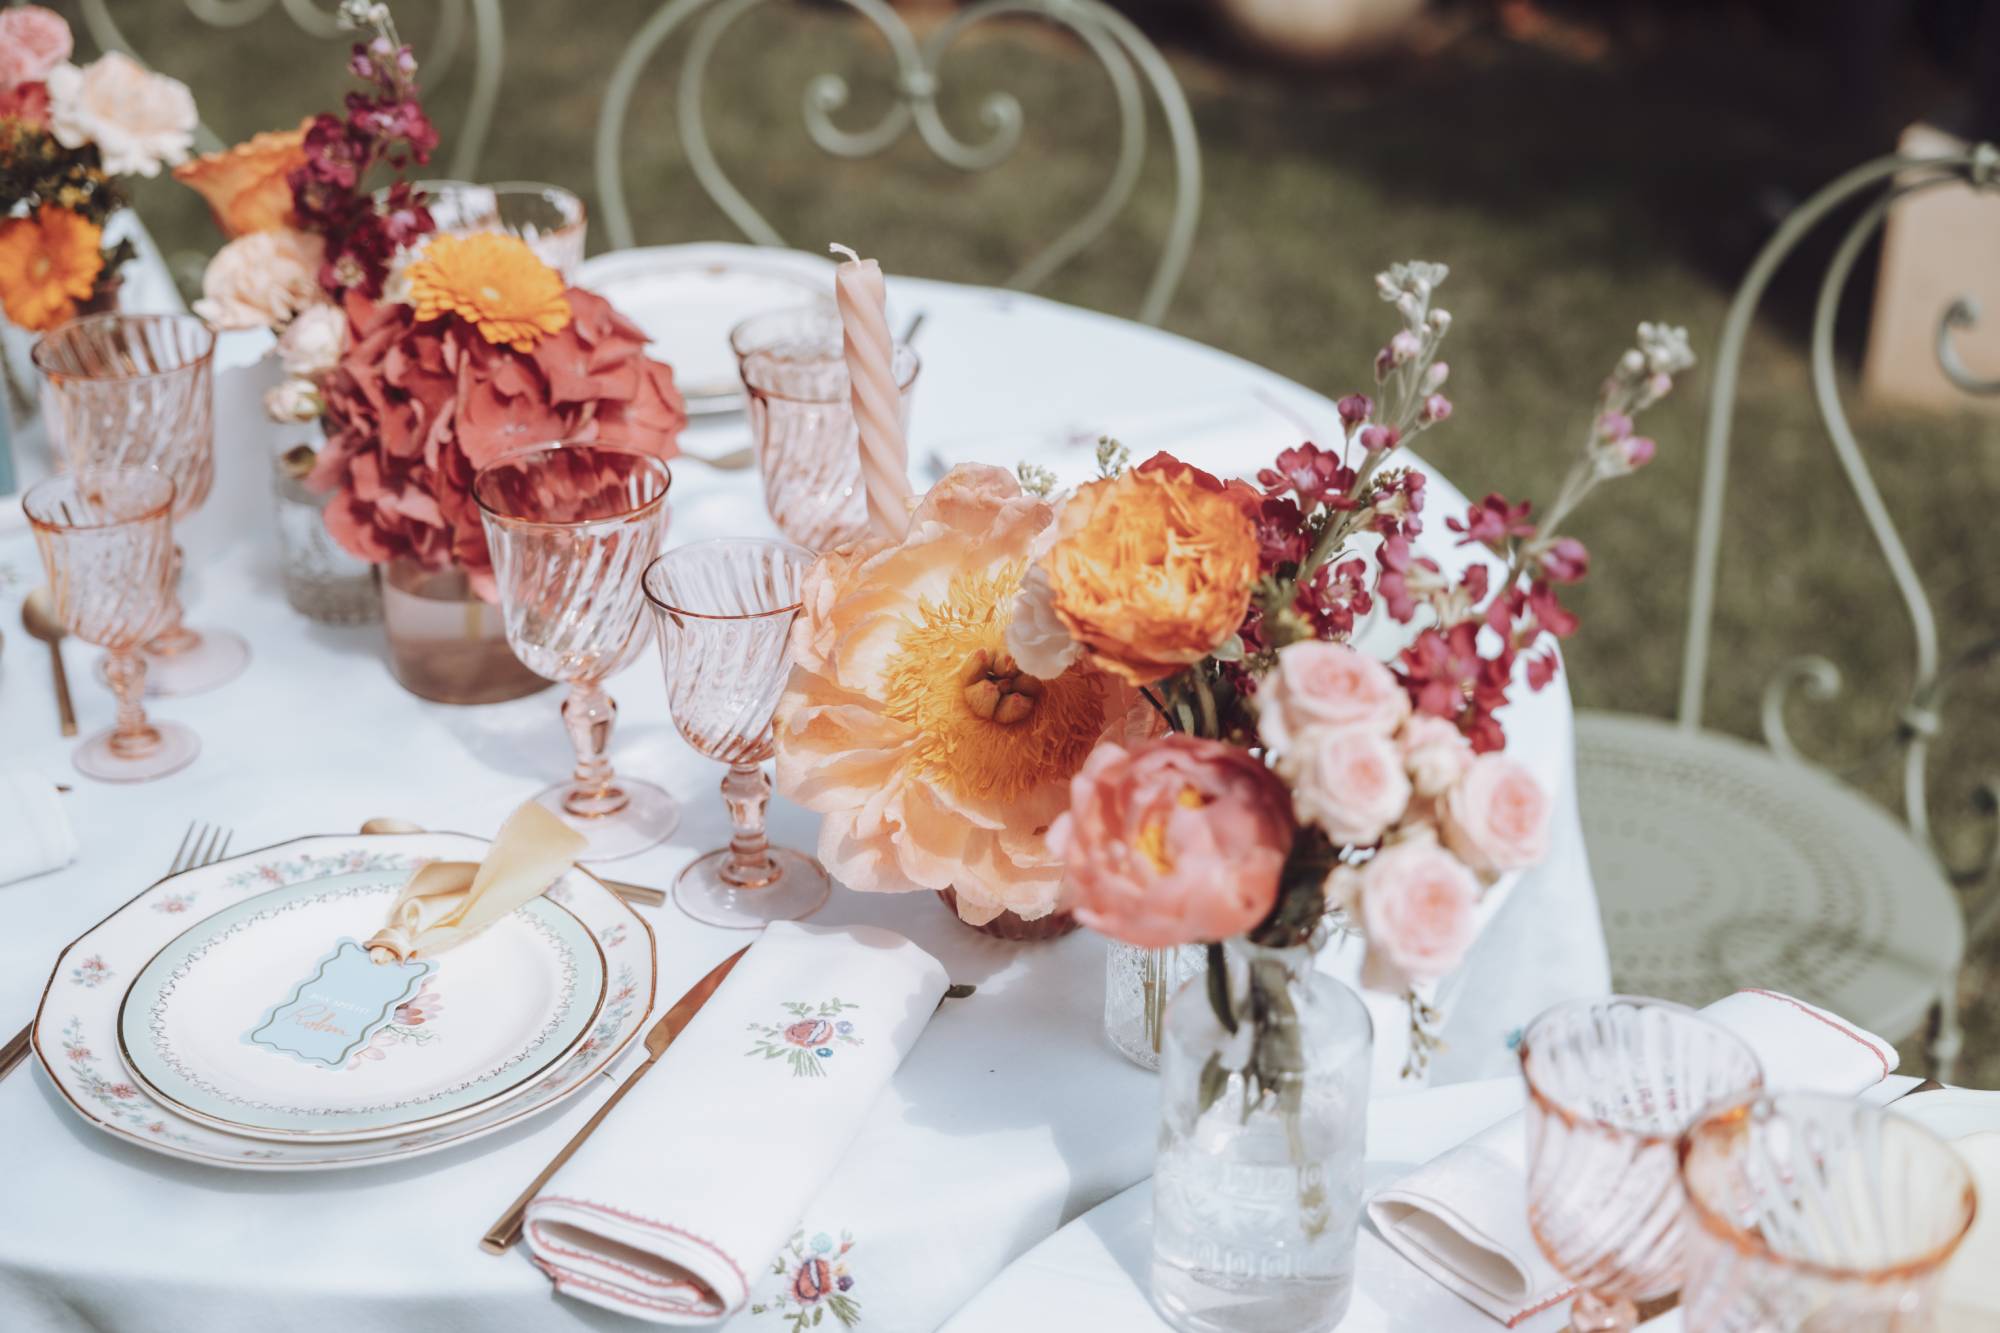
(631, 893)
(39, 619)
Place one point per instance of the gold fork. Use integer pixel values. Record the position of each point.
(202, 845)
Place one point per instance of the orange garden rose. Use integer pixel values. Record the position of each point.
(1153, 568)
(48, 263)
(936, 760)
(247, 187)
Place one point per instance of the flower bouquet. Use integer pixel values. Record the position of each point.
(66, 134)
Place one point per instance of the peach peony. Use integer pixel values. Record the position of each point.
(1418, 905)
(139, 120)
(1177, 841)
(937, 762)
(248, 187)
(1497, 817)
(1153, 568)
(261, 281)
(33, 41)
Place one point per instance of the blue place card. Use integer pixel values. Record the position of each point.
(346, 1000)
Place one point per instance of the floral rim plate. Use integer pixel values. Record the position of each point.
(688, 297)
(75, 1033)
(198, 1024)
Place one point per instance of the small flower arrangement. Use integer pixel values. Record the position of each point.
(1139, 700)
(422, 356)
(66, 134)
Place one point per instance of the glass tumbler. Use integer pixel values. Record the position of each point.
(1612, 1084)
(138, 390)
(106, 541)
(724, 610)
(802, 424)
(572, 528)
(1815, 1213)
(550, 219)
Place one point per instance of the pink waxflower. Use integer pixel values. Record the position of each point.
(1416, 904)
(1435, 753)
(1327, 686)
(1379, 439)
(33, 41)
(1436, 408)
(1497, 818)
(1492, 521)
(1175, 841)
(1636, 451)
(1348, 783)
(1354, 409)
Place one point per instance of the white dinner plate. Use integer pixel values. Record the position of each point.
(470, 1029)
(76, 1031)
(688, 297)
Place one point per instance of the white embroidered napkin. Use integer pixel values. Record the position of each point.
(669, 1211)
(1463, 1217)
(35, 835)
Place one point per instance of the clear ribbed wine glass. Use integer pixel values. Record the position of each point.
(802, 422)
(1612, 1084)
(725, 610)
(107, 545)
(572, 528)
(138, 390)
(1810, 1212)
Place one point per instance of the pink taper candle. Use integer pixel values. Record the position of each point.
(878, 404)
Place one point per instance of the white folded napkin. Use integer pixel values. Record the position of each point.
(672, 1208)
(35, 836)
(1463, 1217)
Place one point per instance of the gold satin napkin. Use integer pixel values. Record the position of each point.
(447, 902)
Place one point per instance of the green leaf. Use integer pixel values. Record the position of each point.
(1218, 988)
(1214, 1081)
(1229, 650)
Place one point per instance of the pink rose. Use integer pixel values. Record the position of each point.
(809, 1032)
(1175, 841)
(33, 41)
(1327, 685)
(1436, 754)
(1416, 908)
(1497, 817)
(1350, 784)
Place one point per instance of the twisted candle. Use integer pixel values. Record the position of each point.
(878, 403)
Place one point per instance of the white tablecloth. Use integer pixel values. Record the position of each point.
(1011, 1116)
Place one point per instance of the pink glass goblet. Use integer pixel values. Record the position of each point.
(572, 528)
(1816, 1214)
(138, 390)
(724, 610)
(802, 423)
(1612, 1084)
(107, 545)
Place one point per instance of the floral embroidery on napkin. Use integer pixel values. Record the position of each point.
(807, 1041)
(91, 972)
(813, 1281)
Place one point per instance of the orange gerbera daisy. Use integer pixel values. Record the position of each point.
(494, 283)
(48, 263)
(247, 186)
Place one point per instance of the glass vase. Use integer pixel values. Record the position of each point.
(1138, 984)
(445, 644)
(1257, 1185)
(322, 582)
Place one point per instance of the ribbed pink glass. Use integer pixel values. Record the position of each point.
(106, 540)
(802, 425)
(138, 391)
(571, 528)
(1809, 1212)
(1612, 1084)
(724, 611)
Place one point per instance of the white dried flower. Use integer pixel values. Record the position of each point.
(1035, 479)
(1111, 456)
(294, 400)
(356, 14)
(1665, 348)
(312, 343)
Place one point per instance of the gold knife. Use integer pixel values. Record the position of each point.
(13, 1052)
(507, 1230)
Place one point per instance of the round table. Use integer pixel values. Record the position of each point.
(1011, 1116)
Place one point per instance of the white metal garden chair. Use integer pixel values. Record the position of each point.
(1723, 864)
(1130, 62)
(481, 17)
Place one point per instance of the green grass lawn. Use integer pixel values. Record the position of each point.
(1571, 199)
